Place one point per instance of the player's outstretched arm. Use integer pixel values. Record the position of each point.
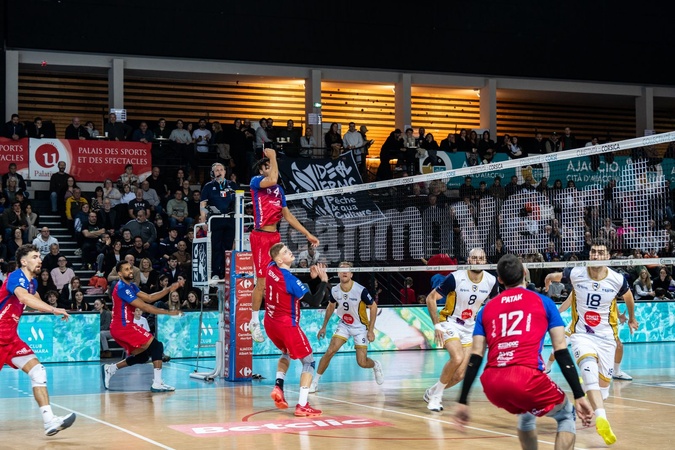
(33, 301)
(295, 223)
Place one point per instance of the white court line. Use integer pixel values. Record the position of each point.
(431, 419)
(123, 430)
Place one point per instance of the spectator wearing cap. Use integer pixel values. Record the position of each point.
(553, 143)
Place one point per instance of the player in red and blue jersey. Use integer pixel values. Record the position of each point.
(19, 289)
(269, 206)
(139, 343)
(513, 326)
(282, 322)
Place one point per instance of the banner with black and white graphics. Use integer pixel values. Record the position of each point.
(307, 175)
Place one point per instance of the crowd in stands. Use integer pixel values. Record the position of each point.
(149, 221)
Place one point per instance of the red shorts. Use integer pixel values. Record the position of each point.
(261, 242)
(12, 349)
(131, 337)
(288, 339)
(520, 389)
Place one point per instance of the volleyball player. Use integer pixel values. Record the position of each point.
(19, 289)
(282, 312)
(349, 301)
(512, 326)
(594, 327)
(269, 206)
(139, 344)
(464, 291)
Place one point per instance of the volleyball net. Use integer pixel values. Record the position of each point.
(557, 201)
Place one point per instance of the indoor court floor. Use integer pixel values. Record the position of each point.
(357, 413)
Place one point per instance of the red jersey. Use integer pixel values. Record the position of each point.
(267, 203)
(122, 312)
(284, 291)
(514, 324)
(11, 308)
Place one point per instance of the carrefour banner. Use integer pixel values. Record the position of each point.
(86, 160)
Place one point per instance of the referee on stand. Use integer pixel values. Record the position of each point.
(218, 198)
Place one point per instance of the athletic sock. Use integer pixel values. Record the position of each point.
(47, 414)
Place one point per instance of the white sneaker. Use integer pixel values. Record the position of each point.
(622, 376)
(256, 331)
(59, 423)
(314, 386)
(161, 387)
(435, 402)
(379, 376)
(106, 374)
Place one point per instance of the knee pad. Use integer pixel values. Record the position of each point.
(589, 373)
(527, 422)
(285, 356)
(137, 359)
(156, 350)
(308, 364)
(566, 417)
(38, 376)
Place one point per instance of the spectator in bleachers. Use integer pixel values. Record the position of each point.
(168, 245)
(78, 303)
(139, 203)
(11, 190)
(642, 286)
(161, 227)
(391, 148)
(485, 143)
(177, 211)
(74, 206)
(128, 177)
(32, 219)
(97, 200)
(157, 182)
(143, 228)
(14, 129)
(91, 233)
(462, 140)
(45, 283)
(110, 192)
(79, 222)
(449, 144)
(14, 243)
(51, 298)
(50, 260)
(333, 141)
(150, 196)
(128, 196)
(143, 134)
(3, 250)
(13, 218)
(194, 204)
(68, 190)
(57, 184)
(308, 143)
(37, 130)
(512, 187)
(108, 218)
(184, 257)
(172, 270)
(149, 276)
(126, 241)
(352, 140)
(138, 252)
(552, 144)
(191, 303)
(76, 131)
(102, 308)
(116, 131)
(112, 254)
(66, 293)
(91, 129)
(44, 241)
(663, 280)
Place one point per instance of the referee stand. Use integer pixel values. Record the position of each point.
(234, 346)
